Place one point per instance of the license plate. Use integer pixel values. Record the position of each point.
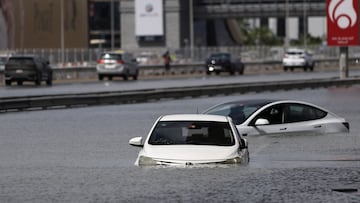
(19, 71)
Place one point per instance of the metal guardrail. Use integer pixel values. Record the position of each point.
(43, 102)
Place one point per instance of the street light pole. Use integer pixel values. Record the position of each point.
(305, 24)
(112, 24)
(191, 23)
(62, 30)
(287, 43)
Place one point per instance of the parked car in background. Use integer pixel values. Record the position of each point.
(117, 63)
(23, 68)
(297, 58)
(224, 62)
(3, 60)
(280, 117)
(187, 139)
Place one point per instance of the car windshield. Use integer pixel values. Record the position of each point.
(192, 132)
(238, 111)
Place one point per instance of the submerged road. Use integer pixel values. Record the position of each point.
(82, 155)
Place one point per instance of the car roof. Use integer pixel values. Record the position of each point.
(194, 117)
(120, 51)
(261, 102)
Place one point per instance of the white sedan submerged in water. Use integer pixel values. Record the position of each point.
(283, 117)
(188, 139)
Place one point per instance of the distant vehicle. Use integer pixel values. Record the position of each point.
(23, 68)
(117, 63)
(187, 139)
(280, 117)
(224, 62)
(3, 60)
(298, 58)
(147, 58)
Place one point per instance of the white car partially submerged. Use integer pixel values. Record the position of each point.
(188, 139)
(280, 117)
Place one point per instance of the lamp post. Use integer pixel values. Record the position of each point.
(112, 24)
(305, 24)
(191, 23)
(62, 30)
(286, 43)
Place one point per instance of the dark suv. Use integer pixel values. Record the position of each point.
(27, 68)
(224, 62)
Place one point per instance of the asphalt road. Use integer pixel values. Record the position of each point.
(118, 85)
(82, 155)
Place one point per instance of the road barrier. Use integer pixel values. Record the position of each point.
(89, 72)
(43, 102)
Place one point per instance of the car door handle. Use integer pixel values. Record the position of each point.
(317, 126)
(283, 128)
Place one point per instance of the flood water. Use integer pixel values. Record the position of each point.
(82, 155)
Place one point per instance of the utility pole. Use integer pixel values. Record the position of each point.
(191, 23)
(62, 30)
(287, 41)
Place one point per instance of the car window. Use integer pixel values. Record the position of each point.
(274, 114)
(300, 112)
(111, 56)
(238, 112)
(192, 132)
(222, 56)
(22, 61)
(3, 60)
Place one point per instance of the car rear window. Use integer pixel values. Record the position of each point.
(111, 56)
(295, 53)
(192, 132)
(220, 56)
(22, 61)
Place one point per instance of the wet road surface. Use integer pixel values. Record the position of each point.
(82, 155)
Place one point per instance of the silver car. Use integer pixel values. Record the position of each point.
(280, 117)
(117, 63)
(298, 58)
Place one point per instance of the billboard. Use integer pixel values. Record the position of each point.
(149, 20)
(342, 22)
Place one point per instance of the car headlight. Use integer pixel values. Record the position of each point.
(211, 68)
(144, 160)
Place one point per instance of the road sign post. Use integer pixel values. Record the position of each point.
(343, 29)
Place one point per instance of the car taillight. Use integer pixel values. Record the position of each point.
(120, 61)
(101, 61)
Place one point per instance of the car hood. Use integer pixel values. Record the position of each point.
(190, 154)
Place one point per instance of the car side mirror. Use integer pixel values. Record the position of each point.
(244, 143)
(136, 142)
(262, 121)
